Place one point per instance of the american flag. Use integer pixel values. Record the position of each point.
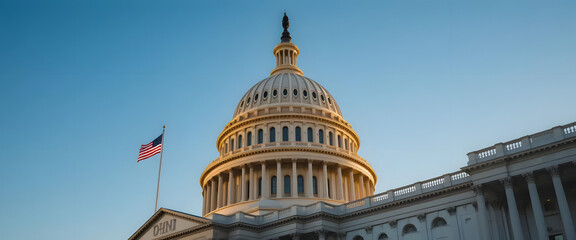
(150, 149)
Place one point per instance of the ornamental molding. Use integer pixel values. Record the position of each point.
(217, 163)
(231, 127)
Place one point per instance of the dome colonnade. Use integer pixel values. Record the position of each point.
(287, 144)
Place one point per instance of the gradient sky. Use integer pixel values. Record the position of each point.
(84, 83)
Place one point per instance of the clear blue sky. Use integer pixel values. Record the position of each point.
(84, 83)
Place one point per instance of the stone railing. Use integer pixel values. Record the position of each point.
(555, 134)
(389, 196)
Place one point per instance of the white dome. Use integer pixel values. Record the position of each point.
(287, 89)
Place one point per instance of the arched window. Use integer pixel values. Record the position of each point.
(358, 238)
(249, 139)
(260, 136)
(272, 134)
(225, 147)
(259, 186)
(273, 185)
(439, 222)
(330, 139)
(409, 229)
(232, 145)
(298, 134)
(383, 236)
(314, 185)
(285, 134)
(239, 141)
(339, 141)
(320, 136)
(310, 135)
(287, 184)
(300, 184)
(346, 144)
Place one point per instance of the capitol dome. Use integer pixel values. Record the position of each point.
(287, 89)
(287, 144)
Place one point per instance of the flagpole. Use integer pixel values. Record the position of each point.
(160, 168)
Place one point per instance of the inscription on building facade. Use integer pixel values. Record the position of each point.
(164, 227)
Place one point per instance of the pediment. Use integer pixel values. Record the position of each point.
(167, 222)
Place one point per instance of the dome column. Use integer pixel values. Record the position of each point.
(325, 179)
(251, 186)
(243, 184)
(294, 179)
(309, 185)
(212, 195)
(340, 184)
(265, 188)
(230, 187)
(352, 190)
(279, 179)
(362, 187)
(220, 192)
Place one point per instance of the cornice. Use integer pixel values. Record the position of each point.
(216, 163)
(283, 116)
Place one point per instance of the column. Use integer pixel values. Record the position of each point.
(325, 179)
(513, 210)
(220, 193)
(230, 187)
(536, 207)
(243, 184)
(362, 187)
(562, 204)
(321, 234)
(340, 184)
(279, 180)
(265, 188)
(352, 190)
(482, 213)
(309, 185)
(212, 195)
(204, 199)
(251, 182)
(294, 179)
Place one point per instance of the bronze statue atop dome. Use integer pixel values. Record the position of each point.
(285, 24)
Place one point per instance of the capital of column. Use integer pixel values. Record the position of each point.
(529, 177)
(554, 172)
(478, 189)
(422, 217)
(368, 229)
(507, 182)
(320, 233)
(393, 223)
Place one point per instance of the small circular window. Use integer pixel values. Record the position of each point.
(305, 93)
(295, 92)
(275, 93)
(329, 100)
(314, 95)
(322, 97)
(242, 104)
(248, 101)
(265, 95)
(285, 92)
(256, 97)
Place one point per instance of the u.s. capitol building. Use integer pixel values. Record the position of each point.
(289, 169)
